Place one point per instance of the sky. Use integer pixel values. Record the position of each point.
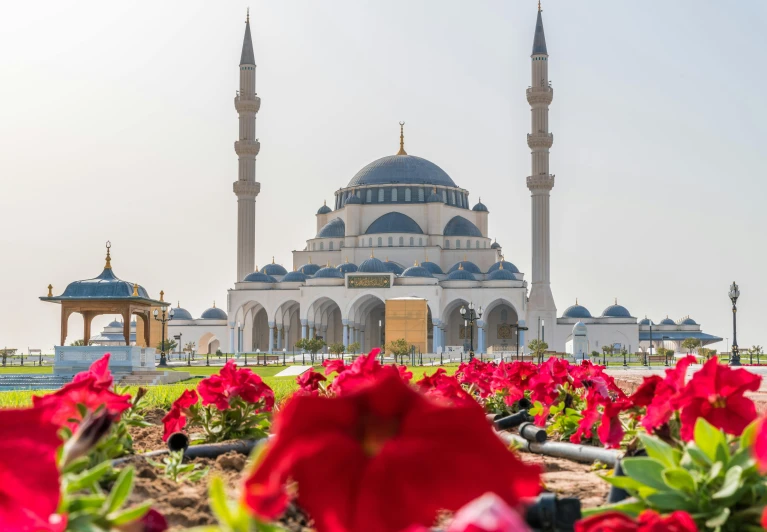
(117, 123)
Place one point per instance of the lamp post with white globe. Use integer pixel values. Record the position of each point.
(470, 316)
(163, 340)
(734, 294)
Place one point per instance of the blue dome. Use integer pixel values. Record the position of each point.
(433, 268)
(479, 207)
(393, 267)
(502, 275)
(324, 209)
(434, 197)
(117, 324)
(347, 267)
(461, 275)
(259, 277)
(468, 266)
(417, 271)
(214, 313)
(576, 311)
(328, 272)
(309, 269)
(273, 269)
(495, 245)
(294, 277)
(616, 311)
(646, 321)
(460, 226)
(181, 314)
(394, 222)
(335, 228)
(372, 265)
(506, 266)
(667, 321)
(405, 169)
(354, 199)
(689, 321)
(105, 286)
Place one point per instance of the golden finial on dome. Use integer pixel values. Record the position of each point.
(214, 303)
(347, 260)
(108, 265)
(135, 290)
(328, 265)
(616, 300)
(387, 259)
(178, 304)
(460, 265)
(310, 259)
(501, 266)
(415, 263)
(576, 300)
(539, 5)
(272, 259)
(50, 290)
(371, 253)
(402, 139)
(256, 268)
(162, 294)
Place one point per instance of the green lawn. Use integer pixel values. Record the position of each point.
(25, 369)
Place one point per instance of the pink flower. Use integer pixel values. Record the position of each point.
(335, 364)
(610, 430)
(175, 420)
(99, 370)
(231, 383)
(488, 513)
(309, 381)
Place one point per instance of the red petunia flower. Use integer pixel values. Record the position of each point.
(645, 394)
(586, 423)
(361, 373)
(478, 374)
(175, 420)
(404, 373)
(715, 393)
(443, 388)
(648, 521)
(610, 430)
(29, 476)
(385, 442)
(335, 364)
(546, 383)
(232, 382)
(488, 513)
(759, 449)
(513, 378)
(663, 404)
(309, 381)
(100, 370)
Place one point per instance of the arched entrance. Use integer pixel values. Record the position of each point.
(500, 331)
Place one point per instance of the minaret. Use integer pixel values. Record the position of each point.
(541, 302)
(246, 188)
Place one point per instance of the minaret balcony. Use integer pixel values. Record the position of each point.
(245, 104)
(246, 189)
(247, 147)
(540, 182)
(540, 140)
(540, 95)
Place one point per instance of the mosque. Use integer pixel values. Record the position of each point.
(403, 227)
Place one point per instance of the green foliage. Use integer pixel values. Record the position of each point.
(167, 345)
(230, 516)
(78, 343)
(608, 349)
(337, 349)
(174, 468)
(713, 479)
(399, 348)
(311, 345)
(538, 348)
(691, 344)
(354, 347)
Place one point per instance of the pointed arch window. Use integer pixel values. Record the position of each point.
(380, 195)
(402, 241)
(394, 194)
(420, 194)
(369, 196)
(407, 194)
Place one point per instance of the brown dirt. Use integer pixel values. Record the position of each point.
(149, 438)
(571, 479)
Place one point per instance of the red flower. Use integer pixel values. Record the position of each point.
(764, 518)
(477, 373)
(444, 388)
(645, 394)
(715, 393)
(100, 370)
(404, 374)
(29, 477)
(309, 381)
(359, 374)
(187, 399)
(175, 420)
(335, 364)
(759, 449)
(513, 378)
(586, 423)
(649, 521)
(546, 383)
(663, 404)
(385, 442)
(610, 430)
(488, 513)
(230, 383)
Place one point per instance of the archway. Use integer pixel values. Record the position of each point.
(501, 321)
(456, 333)
(287, 323)
(324, 317)
(367, 314)
(207, 344)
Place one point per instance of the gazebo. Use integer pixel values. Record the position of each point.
(105, 294)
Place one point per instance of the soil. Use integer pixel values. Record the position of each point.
(185, 504)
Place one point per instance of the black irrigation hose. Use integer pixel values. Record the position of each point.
(578, 453)
(207, 450)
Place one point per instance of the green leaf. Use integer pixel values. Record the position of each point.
(670, 500)
(660, 450)
(748, 436)
(715, 470)
(732, 481)
(120, 491)
(88, 478)
(626, 483)
(710, 440)
(129, 515)
(84, 502)
(719, 519)
(743, 459)
(648, 471)
(630, 507)
(680, 480)
(218, 502)
(698, 456)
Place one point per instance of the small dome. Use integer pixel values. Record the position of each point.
(689, 321)
(394, 222)
(181, 314)
(495, 245)
(294, 277)
(506, 266)
(646, 321)
(480, 207)
(354, 199)
(309, 269)
(616, 311)
(667, 321)
(335, 228)
(372, 265)
(347, 267)
(502, 275)
(393, 267)
(433, 268)
(576, 311)
(434, 197)
(461, 275)
(259, 277)
(328, 272)
(404, 169)
(460, 226)
(579, 329)
(214, 313)
(324, 209)
(274, 269)
(417, 271)
(468, 266)
(117, 324)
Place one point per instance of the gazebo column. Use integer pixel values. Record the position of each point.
(87, 318)
(147, 336)
(65, 312)
(126, 327)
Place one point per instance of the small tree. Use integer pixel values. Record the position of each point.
(311, 345)
(354, 348)
(190, 348)
(167, 345)
(607, 349)
(78, 343)
(337, 348)
(398, 348)
(538, 348)
(691, 344)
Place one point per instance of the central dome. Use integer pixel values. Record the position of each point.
(404, 169)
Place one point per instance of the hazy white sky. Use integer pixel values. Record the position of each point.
(117, 122)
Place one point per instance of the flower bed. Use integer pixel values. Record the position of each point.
(363, 446)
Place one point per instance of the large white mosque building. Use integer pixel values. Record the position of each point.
(402, 227)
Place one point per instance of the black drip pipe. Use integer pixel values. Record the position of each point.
(207, 450)
(578, 453)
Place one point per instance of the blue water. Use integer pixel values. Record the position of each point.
(31, 382)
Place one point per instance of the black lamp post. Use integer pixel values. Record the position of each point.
(519, 329)
(163, 340)
(665, 351)
(649, 362)
(470, 317)
(734, 294)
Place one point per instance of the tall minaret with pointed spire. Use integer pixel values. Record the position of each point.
(541, 307)
(247, 147)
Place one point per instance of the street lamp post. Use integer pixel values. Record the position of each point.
(734, 294)
(284, 353)
(648, 357)
(519, 329)
(665, 351)
(470, 317)
(163, 340)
